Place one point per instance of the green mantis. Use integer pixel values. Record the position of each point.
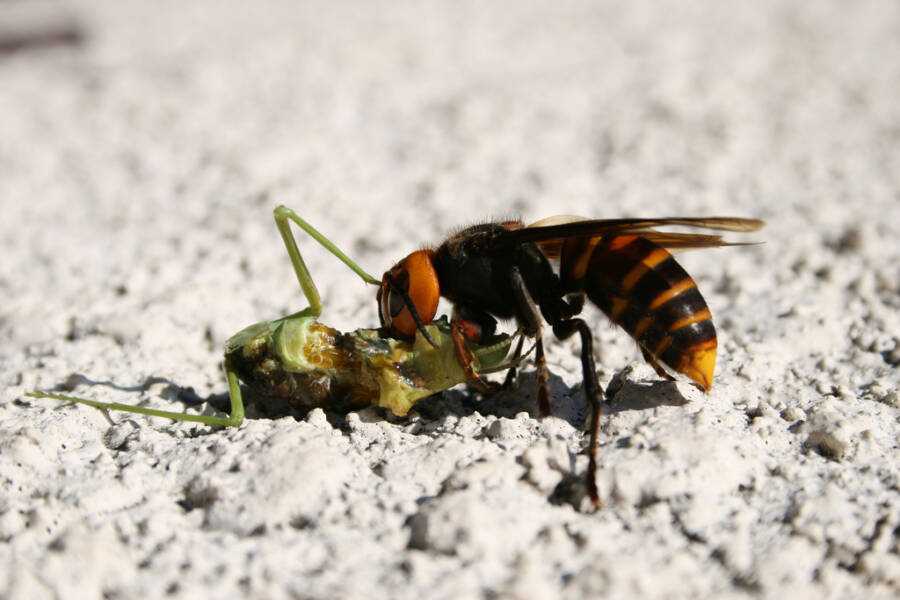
(309, 364)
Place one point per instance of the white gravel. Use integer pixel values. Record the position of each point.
(138, 171)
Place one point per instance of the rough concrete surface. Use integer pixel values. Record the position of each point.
(144, 145)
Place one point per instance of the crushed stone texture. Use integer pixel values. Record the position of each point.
(143, 147)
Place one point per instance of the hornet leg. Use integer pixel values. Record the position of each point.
(511, 374)
(532, 316)
(464, 329)
(593, 393)
(465, 357)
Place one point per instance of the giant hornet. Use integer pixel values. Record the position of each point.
(503, 270)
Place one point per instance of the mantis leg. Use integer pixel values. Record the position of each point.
(234, 419)
(283, 215)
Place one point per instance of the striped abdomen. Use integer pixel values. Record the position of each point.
(640, 287)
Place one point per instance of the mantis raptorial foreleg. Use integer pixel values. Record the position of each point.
(283, 216)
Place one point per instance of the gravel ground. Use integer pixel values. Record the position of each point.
(143, 147)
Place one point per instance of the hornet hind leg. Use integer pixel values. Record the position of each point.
(593, 393)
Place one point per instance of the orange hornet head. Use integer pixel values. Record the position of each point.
(409, 294)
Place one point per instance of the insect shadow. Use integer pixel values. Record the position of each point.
(509, 402)
(623, 394)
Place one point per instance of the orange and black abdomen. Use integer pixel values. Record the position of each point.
(640, 287)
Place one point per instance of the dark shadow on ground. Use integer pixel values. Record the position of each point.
(568, 403)
(255, 406)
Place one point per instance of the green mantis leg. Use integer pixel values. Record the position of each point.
(283, 216)
(234, 419)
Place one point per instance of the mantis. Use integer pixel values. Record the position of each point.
(310, 365)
